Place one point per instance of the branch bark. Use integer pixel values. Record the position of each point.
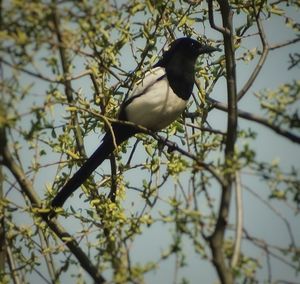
(239, 221)
(212, 20)
(216, 240)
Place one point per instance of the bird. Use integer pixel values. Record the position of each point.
(156, 100)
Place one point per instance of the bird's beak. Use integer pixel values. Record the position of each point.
(208, 49)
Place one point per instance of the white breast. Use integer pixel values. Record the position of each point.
(154, 105)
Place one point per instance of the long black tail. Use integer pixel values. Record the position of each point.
(107, 146)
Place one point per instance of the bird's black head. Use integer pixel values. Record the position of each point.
(179, 62)
(187, 48)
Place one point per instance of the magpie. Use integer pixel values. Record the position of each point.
(155, 101)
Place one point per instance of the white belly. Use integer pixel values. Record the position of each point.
(157, 107)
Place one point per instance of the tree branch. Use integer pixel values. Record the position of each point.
(256, 118)
(216, 240)
(261, 61)
(276, 211)
(28, 72)
(284, 44)
(205, 129)
(265, 51)
(212, 20)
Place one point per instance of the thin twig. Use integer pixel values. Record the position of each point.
(264, 245)
(284, 44)
(261, 61)
(276, 212)
(78, 76)
(28, 72)
(206, 129)
(212, 20)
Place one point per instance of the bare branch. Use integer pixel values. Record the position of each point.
(28, 72)
(261, 61)
(276, 211)
(267, 248)
(216, 240)
(206, 129)
(284, 44)
(212, 20)
(265, 52)
(256, 118)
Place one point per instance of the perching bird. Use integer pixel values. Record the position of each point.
(155, 102)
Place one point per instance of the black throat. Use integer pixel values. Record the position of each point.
(180, 73)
